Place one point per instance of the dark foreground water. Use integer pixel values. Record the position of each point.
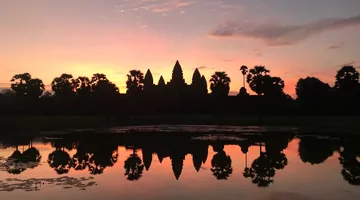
(180, 163)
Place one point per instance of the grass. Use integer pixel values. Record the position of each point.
(311, 123)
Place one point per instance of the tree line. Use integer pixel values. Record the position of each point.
(76, 95)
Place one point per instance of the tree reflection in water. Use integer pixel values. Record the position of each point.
(134, 167)
(350, 162)
(221, 163)
(95, 154)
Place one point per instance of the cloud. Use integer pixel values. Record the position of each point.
(350, 63)
(333, 47)
(279, 34)
(204, 68)
(164, 6)
(257, 52)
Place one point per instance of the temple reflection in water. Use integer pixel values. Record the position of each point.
(97, 152)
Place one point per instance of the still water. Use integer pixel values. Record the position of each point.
(180, 164)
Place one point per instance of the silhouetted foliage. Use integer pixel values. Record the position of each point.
(32, 155)
(261, 171)
(220, 84)
(263, 84)
(314, 150)
(350, 164)
(16, 166)
(83, 87)
(101, 87)
(26, 86)
(256, 81)
(133, 167)
(221, 165)
(99, 96)
(64, 86)
(135, 82)
(244, 71)
(347, 78)
(312, 91)
(60, 161)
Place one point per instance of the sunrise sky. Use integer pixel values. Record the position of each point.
(293, 38)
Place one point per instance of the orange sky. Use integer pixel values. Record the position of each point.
(293, 39)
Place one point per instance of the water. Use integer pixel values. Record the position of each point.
(180, 163)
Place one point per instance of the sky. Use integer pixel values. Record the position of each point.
(292, 38)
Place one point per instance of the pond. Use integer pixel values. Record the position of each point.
(182, 162)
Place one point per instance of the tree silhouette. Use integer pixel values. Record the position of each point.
(83, 87)
(148, 82)
(261, 171)
(255, 78)
(350, 164)
(244, 146)
(25, 86)
(64, 86)
(274, 147)
(80, 160)
(314, 150)
(102, 87)
(263, 84)
(347, 78)
(102, 157)
(32, 155)
(312, 90)
(221, 165)
(135, 82)
(273, 86)
(133, 167)
(14, 164)
(220, 84)
(244, 71)
(60, 161)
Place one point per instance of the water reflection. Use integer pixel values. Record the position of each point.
(96, 153)
(350, 162)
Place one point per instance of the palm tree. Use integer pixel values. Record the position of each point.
(255, 78)
(244, 71)
(347, 78)
(220, 84)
